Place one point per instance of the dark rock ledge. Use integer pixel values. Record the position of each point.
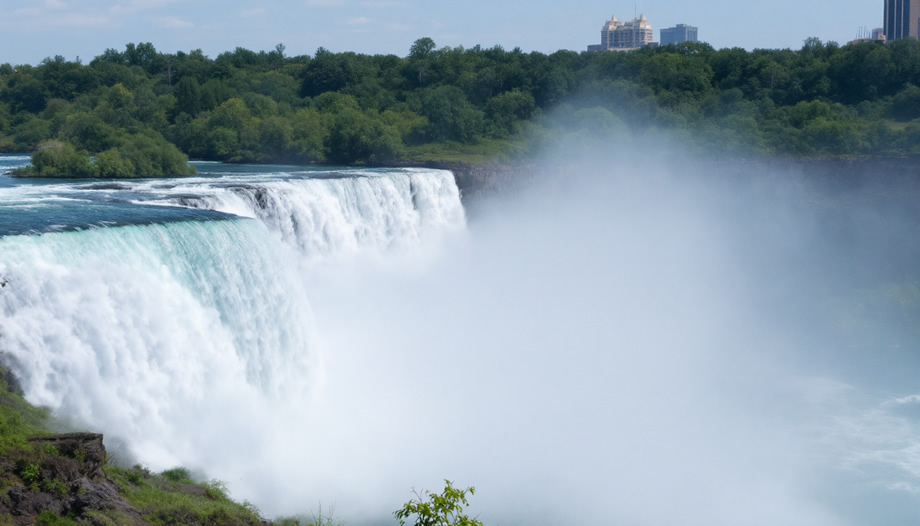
(61, 474)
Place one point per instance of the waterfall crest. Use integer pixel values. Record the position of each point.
(328, 216)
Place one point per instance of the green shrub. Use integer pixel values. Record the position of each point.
(216, 490)
(444, 509)
(153, 156)
(30, 474)
(112, 164)
(54, 486)
(317, 519)
(49, 518)
(60, 159)
(178, 474)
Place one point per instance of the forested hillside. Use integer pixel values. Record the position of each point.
(138, 110)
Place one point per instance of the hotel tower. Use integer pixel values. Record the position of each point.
(901, 19)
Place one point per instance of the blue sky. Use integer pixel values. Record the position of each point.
(34, 29)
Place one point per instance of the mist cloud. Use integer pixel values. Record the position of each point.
(624, 340)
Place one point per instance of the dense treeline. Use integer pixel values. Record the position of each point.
(124, 106)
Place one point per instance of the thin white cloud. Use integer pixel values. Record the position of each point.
(325, 3)
(251, 13)
(62, 19)
(140, 5)
(29, 11)
(911, 399)
(400, 27)
(150, 4)
(904, 486)
(56, 14)
(359, 21)
(80, 20)
(384, 4)
(172, 22)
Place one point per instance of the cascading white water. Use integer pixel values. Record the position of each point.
(328, 216)
(144, 330)
(193, 341)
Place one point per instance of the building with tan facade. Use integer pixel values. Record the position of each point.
(617, 35)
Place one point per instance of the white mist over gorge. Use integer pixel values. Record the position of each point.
(684, 345)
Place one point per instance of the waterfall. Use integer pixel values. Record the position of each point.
(327, 216)
(186, 332)
(141, 330)
(622, 345)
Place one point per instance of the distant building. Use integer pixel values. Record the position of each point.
(877, 35)
(902, 19)
(679, 33)
(617, 35)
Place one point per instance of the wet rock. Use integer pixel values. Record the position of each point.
(86, 449)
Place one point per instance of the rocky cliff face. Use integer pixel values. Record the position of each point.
(61, 474)
(477, 180)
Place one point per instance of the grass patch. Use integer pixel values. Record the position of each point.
(896, 126)
(163, 500)
(18, 418)
(481, 152)
(48, 518)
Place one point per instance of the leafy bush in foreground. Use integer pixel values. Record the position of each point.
(444, 509)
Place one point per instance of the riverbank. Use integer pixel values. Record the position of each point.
(482, 179)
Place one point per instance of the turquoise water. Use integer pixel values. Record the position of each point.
(34, 206)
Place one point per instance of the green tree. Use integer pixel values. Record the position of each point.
(677, 76)
(421, 48)
(60, 159)
(308, 135)
(188, 96)
(26, 93)
(112, 164)
(444, 509)
(275, 137)
(328, 72)
(31, 132)
(86, 131)
(450, 115)
(905, 106)
(861, 72)
(232, 114)
(145, 56)
(64, 79)
(152, 156)
(508, 109)
(553, 86)
(357, 136)
(222, 143)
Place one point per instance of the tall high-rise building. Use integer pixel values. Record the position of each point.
(902, 18)
(617, 35)
(679, 33)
